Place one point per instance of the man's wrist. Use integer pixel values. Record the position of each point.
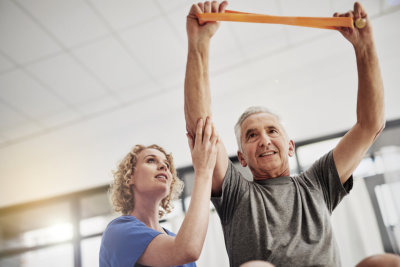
(365, 50)
(198, 45)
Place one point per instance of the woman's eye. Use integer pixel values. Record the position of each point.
(167, 164)
(150, 160)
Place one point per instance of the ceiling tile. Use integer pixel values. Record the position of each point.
(302, 56)
(225, 83)
(156, 46)
(152, 109)
(23, 130)
(5, 64)
(68, 79)
(98, 105)
(297, 35)
(123, 13)
(173, 5)
(265, 45)
(288, 68)
(387, 38)
(248, 33)
(138, 93)
(111, 63)
(20, 91)
(21, 38)
(268, 7)
(224, 63)
(174, 79)
(71, 22)
(13, 125)
(177, 18)
(225, 41)
(225, 50)
(60, 118)
(313, 8)
(9, 118)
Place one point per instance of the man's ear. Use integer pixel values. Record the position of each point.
(241, 159)
(291, 148)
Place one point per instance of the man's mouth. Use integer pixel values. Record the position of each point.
(266, 154)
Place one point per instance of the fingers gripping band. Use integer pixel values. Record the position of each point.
(322, 23)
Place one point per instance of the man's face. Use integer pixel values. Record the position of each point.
(265, 147)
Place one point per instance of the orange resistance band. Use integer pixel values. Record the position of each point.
(323, 23)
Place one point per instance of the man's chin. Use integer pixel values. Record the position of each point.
(265, 169)
(267, 163)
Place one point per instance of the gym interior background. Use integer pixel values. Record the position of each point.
(82, 81)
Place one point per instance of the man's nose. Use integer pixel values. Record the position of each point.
(265, 140)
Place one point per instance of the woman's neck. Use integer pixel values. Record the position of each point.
(147, 212)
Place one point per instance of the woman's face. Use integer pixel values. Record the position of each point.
(152, 174)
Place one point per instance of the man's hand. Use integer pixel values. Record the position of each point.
(359, 38)
(197, 32)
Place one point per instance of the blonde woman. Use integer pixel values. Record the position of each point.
(144, 185)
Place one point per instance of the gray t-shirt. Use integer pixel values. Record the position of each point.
(284, 220)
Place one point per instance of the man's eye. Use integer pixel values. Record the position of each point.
(251, 136)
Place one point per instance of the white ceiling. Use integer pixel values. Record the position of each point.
(82, 81)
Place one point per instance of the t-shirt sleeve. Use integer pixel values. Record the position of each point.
(233, 188)
(124, 242)
(323, 175)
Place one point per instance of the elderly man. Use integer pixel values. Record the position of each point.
(276, 217)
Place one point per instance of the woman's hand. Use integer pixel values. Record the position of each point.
(204, 148)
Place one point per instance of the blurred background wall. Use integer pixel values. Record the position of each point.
(82, 81)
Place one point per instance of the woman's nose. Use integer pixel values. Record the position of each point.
(162, 166)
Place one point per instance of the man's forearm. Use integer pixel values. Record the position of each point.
(370, 102)
(197, 92)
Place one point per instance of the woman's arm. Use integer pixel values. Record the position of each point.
(186, 247)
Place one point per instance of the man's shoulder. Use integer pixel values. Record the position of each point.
(235, 169)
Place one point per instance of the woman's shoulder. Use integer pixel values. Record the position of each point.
(124, 227)
(124, 219)
(125, 222)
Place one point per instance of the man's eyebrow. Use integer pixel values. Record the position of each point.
(271, 127)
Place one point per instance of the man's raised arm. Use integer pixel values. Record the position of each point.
(197, 91)
(370, 99)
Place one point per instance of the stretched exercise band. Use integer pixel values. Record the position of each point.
(322, 23)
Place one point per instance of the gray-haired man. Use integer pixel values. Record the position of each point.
(276, 217)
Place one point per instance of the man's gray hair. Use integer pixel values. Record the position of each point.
(248, 112)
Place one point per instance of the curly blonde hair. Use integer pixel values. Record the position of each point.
(121, 192)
